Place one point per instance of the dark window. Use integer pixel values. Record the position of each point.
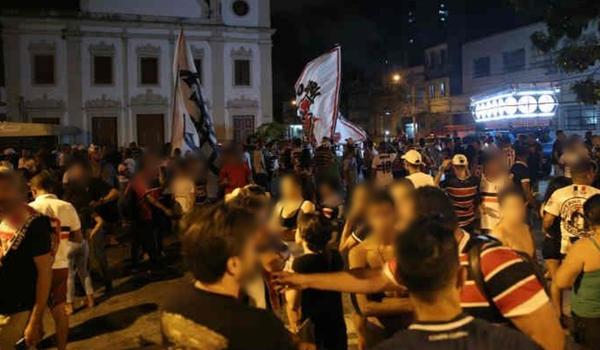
(241, 8)
(432, 59)
(481, 67)
(43, 69)
(198, 64)
(442, 58)
(242, 72)
(513, 60)
(103, 70)
(149, 70)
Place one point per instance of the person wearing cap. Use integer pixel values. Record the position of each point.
(462, 188)
(412, 163)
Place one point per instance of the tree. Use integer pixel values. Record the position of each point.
(270, 131)
(571, 37)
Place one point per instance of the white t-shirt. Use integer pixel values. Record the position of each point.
(567, 203)
(64, 215)
(183, 190)
(383, 165)
(421, 179)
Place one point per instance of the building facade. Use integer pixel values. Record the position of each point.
(511, 84)
(106, 67)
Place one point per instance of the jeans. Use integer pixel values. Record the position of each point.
(98, 257)
(78, 264)
(145, 239)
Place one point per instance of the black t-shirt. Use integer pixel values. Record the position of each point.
(520, 173)
(243, 326)
(318, 304)
(81, 196)
(557, 151)
(18, 273)
(462, 333)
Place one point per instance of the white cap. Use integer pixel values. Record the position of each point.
(413, 157)
(460, 160)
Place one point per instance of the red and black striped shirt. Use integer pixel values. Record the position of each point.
(511, 281)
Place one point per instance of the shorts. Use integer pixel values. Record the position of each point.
(58, 289)
(551, 248)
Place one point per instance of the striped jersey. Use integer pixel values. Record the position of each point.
(511, 281)
(383, 165)
(464, 195)
(488, 191)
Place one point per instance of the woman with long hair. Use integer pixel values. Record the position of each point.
(581, 271)
(355, 228)
(290, 206)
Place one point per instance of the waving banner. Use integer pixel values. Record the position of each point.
(345, 130)
(192, 125)
(317, 94)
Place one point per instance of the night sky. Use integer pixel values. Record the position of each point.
(369, 31)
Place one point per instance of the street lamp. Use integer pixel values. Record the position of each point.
(294, 102)
(396, 78)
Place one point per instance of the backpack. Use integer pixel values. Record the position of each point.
(475, 248)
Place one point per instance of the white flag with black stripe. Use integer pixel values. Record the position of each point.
(193, 128)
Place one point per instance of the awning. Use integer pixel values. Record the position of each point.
(10, 129)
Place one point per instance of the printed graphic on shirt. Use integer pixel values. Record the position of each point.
(567, 203)
(384, 166)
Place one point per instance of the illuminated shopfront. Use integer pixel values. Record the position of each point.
(521, 106)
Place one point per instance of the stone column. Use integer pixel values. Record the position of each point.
(216, 15)
(75, 115)
(126, 117)
(266, 81)
(217, 47)
(12, 70)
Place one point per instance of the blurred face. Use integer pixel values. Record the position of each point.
(289, 188)
(359, 199)
(459, 169)
(561, 136)
(513, 209)
(78, 173)
(382, 218)
(10, 197)
(404, 206)
(493, 168)
(245, 266)
(325, 191)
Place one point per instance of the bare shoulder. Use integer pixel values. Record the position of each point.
(308, 207)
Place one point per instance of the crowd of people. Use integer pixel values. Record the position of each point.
(442, 243)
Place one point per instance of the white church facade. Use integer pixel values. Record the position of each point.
(106, 68)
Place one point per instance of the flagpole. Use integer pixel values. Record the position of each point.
(175, 87)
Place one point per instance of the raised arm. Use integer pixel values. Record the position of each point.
(356, 281)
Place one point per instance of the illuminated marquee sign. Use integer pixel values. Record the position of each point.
(515, 104)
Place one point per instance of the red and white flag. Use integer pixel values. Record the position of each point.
(317, 94)
(345, 131)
